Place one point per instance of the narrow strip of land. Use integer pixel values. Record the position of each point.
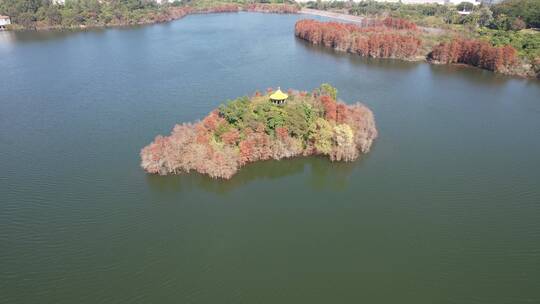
(358, 19)
(339, 16)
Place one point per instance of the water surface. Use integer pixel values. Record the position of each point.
(445, 208)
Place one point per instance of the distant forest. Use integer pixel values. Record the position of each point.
(41, 14)
(504, 15)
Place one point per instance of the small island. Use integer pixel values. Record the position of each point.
(274, 125)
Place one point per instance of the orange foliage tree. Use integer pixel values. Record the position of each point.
(478, 53)
(389, 38)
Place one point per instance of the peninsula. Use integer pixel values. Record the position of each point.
(274, 125)
(401, 39)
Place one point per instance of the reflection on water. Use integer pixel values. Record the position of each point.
(473, 74)
(393, 64)
(443, 210)
(7, 38)
(45, 36)
(318, 175)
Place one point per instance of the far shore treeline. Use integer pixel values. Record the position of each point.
(74, 14)
(250, 129)
(501, 37)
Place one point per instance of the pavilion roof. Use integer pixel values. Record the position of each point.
(279, 95)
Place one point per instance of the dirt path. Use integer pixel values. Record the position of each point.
(357, 19)
(350, 18)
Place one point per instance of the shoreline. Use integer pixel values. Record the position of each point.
(172, 14)
(338, 36)
(358, 19)
(177, 13)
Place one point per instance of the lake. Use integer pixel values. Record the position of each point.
(444, 209)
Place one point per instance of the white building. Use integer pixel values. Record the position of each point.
(4, 21)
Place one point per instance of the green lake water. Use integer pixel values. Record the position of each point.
(444, 209)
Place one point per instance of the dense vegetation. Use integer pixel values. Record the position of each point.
(44, 14)
(501, 24)
(502, 15)
(476, 53)
(528, 11)
(388, 38)
(249, 129)
(399, 39)
(250, 7)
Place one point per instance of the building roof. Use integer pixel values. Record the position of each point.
(278, 95)
(4, 17)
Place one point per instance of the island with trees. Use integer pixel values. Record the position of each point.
(273, 125)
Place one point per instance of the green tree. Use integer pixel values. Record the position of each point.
(234, 110)
(502, 22)
(272, 116)
(299, 117)
(528, 10)
(518, 24)
(465, 6)
(472, 19)
(328, 89)
(485, 17)
(321, 135)
(27, 19)
(451, 17)
(53, 15)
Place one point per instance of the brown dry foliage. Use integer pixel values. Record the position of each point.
(389, 38)
(478, 53)
(194, 147)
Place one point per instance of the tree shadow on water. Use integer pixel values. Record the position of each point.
(46, 35)
(317, 173)
(388, 64)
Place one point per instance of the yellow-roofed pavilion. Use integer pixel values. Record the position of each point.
(278, 97)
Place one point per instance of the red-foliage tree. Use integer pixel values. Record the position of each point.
(330, 108)
(282, 132)
(390, 38)
(230, 137)
(341, 113)
(172, 13)
(399, 24)
(272, 8)
(224, 8)
(210, 122)
(478, 53)
(253, 7)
